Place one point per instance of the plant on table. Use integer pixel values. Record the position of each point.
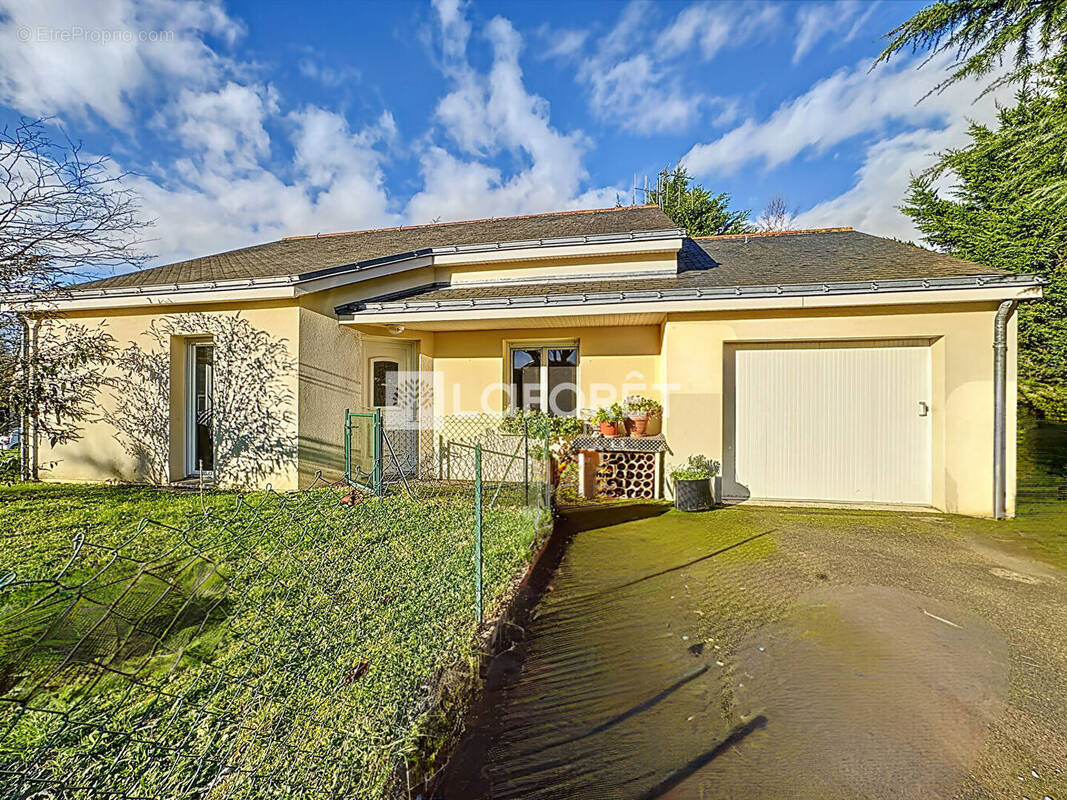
(638, 411)
(608, 419)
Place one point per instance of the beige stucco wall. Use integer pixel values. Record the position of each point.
(333, 372)
(558, 267)
(329, 382)
(962, 366)
(471, 367)
(136, 431)
(679, 361)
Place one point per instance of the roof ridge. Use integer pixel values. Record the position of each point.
(465, 222)
(775, 233)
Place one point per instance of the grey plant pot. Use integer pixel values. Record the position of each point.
(693, 495)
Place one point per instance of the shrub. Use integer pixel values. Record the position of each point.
(537, 422)
(698, 468)
(9, 465)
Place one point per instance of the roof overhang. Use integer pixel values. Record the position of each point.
(968, 289)
(291, 286)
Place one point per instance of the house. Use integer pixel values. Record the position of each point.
(824, 366)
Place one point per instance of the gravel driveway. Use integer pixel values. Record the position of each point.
(786, 653)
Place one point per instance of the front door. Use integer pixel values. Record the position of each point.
(200, 437)
(391, 385)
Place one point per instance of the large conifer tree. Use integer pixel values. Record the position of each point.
(1006, 206)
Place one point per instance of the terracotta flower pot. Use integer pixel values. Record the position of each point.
(655, 423)
(609, 428)
(637, 424)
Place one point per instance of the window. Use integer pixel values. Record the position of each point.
(546, 379)
(385, 383)
(199, 422)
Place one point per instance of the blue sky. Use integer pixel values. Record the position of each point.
(246, 121)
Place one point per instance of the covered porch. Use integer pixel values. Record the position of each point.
(441, 384)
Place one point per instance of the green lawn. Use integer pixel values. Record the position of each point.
(1040, 525)
(1039, 529)
(38, 521)
(285, 635)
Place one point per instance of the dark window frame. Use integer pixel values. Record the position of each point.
(543, 367)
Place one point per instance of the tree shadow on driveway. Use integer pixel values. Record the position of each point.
(872, 647)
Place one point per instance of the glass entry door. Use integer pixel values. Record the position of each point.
(392, 383)
(200, 439)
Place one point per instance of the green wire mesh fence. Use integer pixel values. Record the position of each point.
(517, 453)
(282, 645)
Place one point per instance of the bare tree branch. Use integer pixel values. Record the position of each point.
(64, 217)
(776, 216)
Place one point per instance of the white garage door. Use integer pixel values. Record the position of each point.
(828, 422)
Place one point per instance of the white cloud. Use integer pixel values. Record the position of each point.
(230, 184)
(250, 170)
(704, 24)
(240, 164)
(204, 204)
(326, 149)
(327, 74)
(455, 32)
(225, 126)
(561, 43)
(816, 21)
(639, 74)
(629, 85)
(849, 103)
(882, 106)
(871, 204)
(492, 113)
(637, 93)
(81, 58)
(715, 27)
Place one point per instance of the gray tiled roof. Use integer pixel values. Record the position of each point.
(834, 256)
(304, 254)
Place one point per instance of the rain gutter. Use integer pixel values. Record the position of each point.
(918, 285)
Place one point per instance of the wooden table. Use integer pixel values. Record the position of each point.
(620, 466)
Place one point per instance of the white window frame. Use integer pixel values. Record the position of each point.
(190, 406)
(544, 346)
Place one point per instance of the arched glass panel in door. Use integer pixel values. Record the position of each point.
(385, 384)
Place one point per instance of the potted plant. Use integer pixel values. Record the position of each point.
(638, 410)
(692, 484)
(655, 416)
(608, 419)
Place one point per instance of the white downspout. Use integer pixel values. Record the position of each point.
(1000, 408)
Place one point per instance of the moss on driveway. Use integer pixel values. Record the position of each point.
(793, 653)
